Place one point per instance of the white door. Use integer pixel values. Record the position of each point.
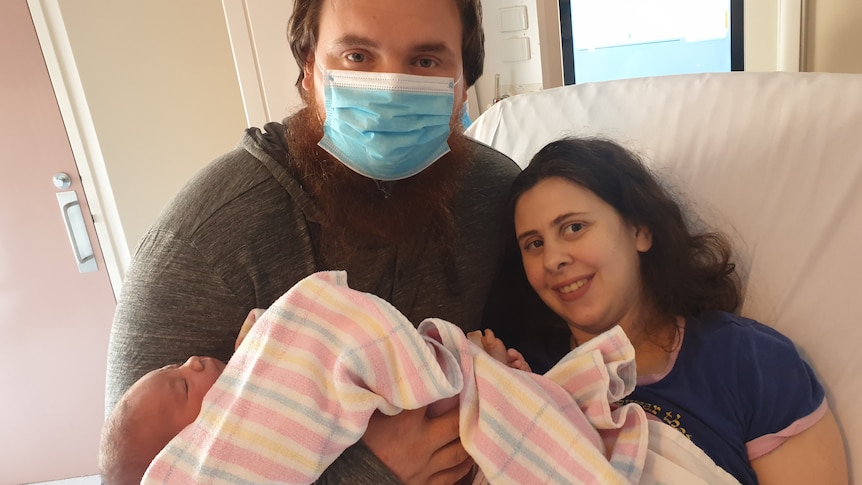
(54, 320)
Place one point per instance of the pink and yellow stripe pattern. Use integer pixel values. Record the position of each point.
(324, 357)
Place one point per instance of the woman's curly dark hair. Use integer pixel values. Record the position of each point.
(684, 272)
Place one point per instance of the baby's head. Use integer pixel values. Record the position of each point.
(154, 410)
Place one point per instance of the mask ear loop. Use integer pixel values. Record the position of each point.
(319, 67)
(322, 76)
(460, 78)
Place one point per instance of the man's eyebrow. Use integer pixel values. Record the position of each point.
(352, 40)
(432, 47)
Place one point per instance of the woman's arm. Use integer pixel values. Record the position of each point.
(816, 455)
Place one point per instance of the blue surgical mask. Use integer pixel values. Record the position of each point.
(386, 126)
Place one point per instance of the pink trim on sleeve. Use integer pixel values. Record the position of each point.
(768, 442)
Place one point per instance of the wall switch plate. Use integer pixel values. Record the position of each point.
(515, 49)
(513, 18)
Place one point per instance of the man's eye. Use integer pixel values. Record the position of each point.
(426, 63)
(355, 57)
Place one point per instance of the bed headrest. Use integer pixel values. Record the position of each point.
(773, 159)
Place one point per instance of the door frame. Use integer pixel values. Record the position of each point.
(81, 131)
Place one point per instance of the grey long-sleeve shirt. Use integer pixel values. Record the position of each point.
(239, 234)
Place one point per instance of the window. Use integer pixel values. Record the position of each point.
(615, 39)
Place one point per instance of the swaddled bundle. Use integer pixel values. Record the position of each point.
(304, 383)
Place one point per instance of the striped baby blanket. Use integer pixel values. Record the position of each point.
(317, 364)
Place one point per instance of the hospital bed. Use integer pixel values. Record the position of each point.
(774, 160)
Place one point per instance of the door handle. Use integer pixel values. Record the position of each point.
(73, 218)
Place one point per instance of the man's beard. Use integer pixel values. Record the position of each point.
(357, 212)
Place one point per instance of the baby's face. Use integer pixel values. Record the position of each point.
(173, 394)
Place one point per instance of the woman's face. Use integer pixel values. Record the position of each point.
(580, 256)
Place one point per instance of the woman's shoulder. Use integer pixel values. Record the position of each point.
(738, 344)
(727, 327)
(751, 353)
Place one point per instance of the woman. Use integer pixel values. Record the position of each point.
(603, 244)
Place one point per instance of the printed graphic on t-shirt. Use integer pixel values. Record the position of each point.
(669, 417)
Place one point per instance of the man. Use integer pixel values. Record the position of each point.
(354, 181)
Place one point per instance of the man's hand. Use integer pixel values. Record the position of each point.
(419, 449)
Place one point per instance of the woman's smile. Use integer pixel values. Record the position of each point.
(573, 290)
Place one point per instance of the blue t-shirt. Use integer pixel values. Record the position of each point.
(734, 380)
